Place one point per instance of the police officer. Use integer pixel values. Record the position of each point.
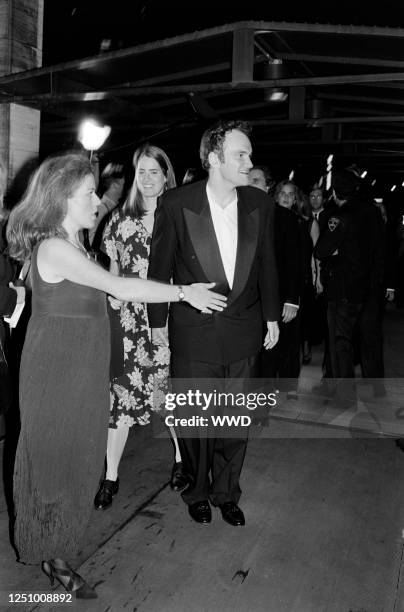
(350, 251)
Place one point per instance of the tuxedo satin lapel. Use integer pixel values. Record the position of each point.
(248, 224)
(203, 238)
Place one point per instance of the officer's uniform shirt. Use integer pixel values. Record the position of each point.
(350, 243)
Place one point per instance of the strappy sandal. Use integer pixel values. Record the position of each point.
(69, 579)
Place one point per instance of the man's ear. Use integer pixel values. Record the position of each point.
(213, 159)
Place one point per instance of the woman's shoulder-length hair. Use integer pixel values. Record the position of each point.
(134, 205)
(43, 207)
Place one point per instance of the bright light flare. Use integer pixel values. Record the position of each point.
(329, 171)
(92, 136)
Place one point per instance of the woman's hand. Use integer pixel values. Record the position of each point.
(199, 296)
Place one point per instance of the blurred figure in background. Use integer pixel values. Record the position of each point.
(261, 177)
(309, 233)
(190, 176)
(283, 361)
(350, 248)
(10, 297)
(112, 183)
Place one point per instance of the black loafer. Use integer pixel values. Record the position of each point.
(200, 512)
(107, 490)
(232, 514)
(179, 480)
(400, 444)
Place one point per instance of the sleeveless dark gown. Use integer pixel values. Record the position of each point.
(64, 403)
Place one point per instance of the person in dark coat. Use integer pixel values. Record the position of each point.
(350, 249)
(10, 297)
(282, 364)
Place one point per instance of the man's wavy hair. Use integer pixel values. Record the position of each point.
(43, 207)
(134, 206)
(213, 138)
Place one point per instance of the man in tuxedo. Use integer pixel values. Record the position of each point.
(217, 230)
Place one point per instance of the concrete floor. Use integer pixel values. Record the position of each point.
(323, 497)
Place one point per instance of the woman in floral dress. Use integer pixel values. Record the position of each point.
(139, 367)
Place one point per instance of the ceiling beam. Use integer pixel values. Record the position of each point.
(243, 56)
(261, 27)
(325, 120)
(334, 141)
(133, 90)
(97, 60)
(352, 98)
(341, 59)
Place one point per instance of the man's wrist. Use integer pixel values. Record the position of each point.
(181, 293)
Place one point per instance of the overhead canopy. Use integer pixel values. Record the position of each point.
(344, 84)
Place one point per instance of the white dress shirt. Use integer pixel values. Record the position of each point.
(316, 213)
(225, 225)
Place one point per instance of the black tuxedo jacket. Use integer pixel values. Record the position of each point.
(185, 248)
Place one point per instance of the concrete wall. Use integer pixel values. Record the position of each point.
(21, 33)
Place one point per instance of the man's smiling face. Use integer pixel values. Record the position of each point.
(235, 163)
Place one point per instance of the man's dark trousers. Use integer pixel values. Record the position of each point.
(207, 451)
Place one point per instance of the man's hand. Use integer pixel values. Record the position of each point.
(289, 312)
(272, 335)
(159, 336)
(319, 286)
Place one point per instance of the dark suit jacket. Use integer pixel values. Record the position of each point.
(185, 248)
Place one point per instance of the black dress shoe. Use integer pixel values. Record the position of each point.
(179, 480)
(232, 514)
(107, 490)
(400, 444)
(200, 512)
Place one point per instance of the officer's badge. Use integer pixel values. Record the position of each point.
(333, 223)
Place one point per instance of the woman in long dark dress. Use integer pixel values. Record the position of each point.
(64, 394)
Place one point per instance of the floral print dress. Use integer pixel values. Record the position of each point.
(139, 389)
